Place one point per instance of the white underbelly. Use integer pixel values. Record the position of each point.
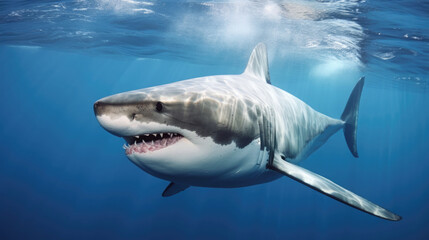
(220, 166)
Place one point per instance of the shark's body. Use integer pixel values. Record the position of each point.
(229, 131)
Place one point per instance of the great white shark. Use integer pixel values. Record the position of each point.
(229, 131)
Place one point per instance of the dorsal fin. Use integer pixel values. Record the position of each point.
(258, 63)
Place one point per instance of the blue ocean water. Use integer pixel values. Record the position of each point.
(63, 177)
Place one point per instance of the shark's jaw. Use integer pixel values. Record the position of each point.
(143, 139)
(150, 142)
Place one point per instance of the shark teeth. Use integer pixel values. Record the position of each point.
(150, 142)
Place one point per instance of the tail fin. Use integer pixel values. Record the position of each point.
(350, 117)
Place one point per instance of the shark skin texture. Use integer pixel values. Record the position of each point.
(229, 131)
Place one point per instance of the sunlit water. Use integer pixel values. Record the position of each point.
(63, 177)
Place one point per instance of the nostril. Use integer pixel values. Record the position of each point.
(96, 104)
(98, 107)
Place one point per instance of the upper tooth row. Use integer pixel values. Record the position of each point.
(161, 134)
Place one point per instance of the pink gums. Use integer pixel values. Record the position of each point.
(151, 146)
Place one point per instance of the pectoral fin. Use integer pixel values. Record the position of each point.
(330, 189)
(174, 188)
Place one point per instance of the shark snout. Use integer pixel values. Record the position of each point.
(122, 118)
(102, 107)
(96, 107)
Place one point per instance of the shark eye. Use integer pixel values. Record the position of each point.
(159, 106)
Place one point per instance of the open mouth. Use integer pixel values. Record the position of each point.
(150, 142)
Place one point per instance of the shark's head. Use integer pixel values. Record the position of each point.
(180, 130)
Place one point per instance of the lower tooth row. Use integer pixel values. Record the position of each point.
(126, 146)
